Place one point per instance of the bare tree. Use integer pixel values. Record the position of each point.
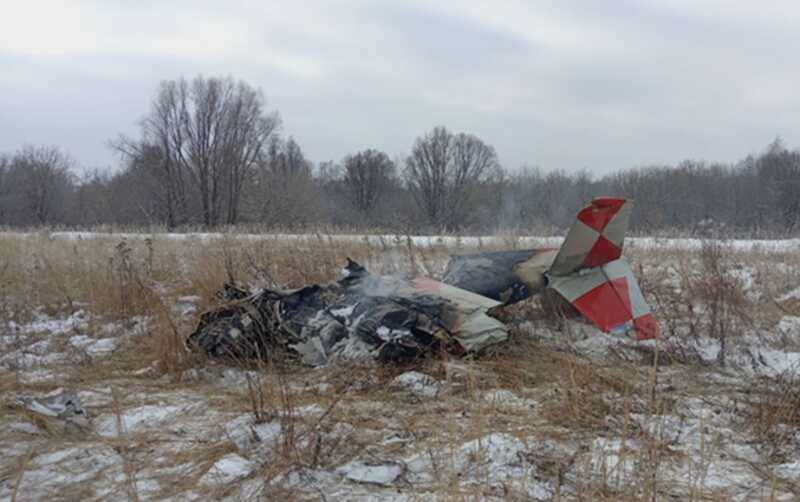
(444, 169)
(151, 168)
(367, 175)
(285, 185)
(779, 172)
(5, 164)
(91, 200)
(211, 132)
(40, 179)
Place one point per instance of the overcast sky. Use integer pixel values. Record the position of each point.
(561, 85)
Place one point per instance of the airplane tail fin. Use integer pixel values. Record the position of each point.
(596, 237)
(590, 274)
(610, 297)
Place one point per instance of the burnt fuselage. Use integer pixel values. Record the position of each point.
(505, 276)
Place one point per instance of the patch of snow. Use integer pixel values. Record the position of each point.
(135, 419)
(665, 428)
(777, 362)
(309, 410)
(187, 305)
(229, 468)
(21, 359)
(724, 474)
(39, 348)
(56, 456)
(78, 321)
(789, 470)
(455, 241)
(102, 346)
(245, 433)
(417, 383)
(93, 346)
(708, 349)
(744, 275)
(596, 343)
(503, 399)
(303, 478)
(97, 396)
(611, 459)
(789, 326)
(497, 459)
(24, 427)
(791, 295)
(38, 376)
(49, 474)
(378, 474)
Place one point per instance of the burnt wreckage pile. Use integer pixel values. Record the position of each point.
(394, 319)
(358, 316)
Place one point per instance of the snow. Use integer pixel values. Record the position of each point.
(745, 277)
(779, 362)
(56, 457)
(791, 295)
(228, 468)
(789, 471)
(748, 354)
(187, 305)
(419, 384)
(23, 427)
(246, 434)
(612, 459)
(496, 459)
(93, 346)
(505, 400)
(452, 241)
(22, 360)
(379, 474)
(135, 419)
(78, 321)
(790, 325)
(57, 471)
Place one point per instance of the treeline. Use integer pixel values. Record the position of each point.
(210, 153)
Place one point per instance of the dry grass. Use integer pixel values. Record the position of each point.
(773, 413)
(23, 465)
(577, 399)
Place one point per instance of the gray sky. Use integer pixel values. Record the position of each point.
(601, 85)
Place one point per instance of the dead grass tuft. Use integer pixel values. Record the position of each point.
(773, 413)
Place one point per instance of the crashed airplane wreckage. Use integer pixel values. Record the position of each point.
(393, 319)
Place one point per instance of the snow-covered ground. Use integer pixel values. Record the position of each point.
(448, 241)
(562, 411)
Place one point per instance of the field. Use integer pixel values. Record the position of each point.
(709, 411)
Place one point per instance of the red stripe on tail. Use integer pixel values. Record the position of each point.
(602, 252)
(608, 305)
(597, 214)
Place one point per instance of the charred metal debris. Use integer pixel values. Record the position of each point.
(360, 316)
(395, 319)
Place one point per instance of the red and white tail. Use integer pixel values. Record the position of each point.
(590, 274)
